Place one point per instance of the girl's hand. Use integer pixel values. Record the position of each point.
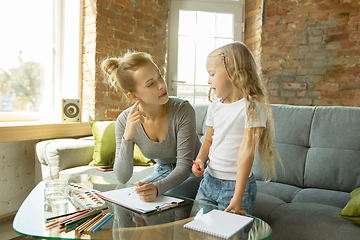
(195, 169)
(146, 191)
(134, 118)
(235, 206)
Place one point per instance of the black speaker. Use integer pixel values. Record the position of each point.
(71, 110)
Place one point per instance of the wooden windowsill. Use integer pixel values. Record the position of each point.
(23, 131)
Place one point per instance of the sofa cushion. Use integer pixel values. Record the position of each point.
(293, 158)
(302, 217)
(292, 124)
(351, 211)
(139, 159)
(326, 197)
(299, 221)
(334, 153)
(336, 127)
(104, 147)
(291, 140)
(284, 192)
(265, 205)
(330, 168)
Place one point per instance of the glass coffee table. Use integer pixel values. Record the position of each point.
(125, 224)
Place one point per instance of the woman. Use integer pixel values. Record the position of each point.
(163, 127)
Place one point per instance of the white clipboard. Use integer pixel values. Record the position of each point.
(126, 198)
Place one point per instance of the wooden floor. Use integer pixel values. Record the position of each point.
(7, 232)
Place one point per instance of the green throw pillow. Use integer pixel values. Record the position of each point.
(139, 159)
(351, 211)
(104, 147)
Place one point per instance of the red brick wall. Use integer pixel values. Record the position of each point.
(110, 28)
(310, 51)
(253, 26)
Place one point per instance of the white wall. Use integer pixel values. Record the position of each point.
(17, 174)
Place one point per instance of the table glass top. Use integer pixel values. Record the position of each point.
(125, 224)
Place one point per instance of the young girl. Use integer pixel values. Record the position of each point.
(239, 125)
(163, 127)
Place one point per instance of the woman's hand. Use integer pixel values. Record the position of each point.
(133, 119)
(195, 169)
(139, 220)
(235, 206)
(146, 191)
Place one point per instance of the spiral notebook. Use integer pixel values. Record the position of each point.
(219, 223)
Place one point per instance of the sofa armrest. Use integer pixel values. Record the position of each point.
(59, 154)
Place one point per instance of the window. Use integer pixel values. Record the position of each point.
(197, 28)
(40, 57)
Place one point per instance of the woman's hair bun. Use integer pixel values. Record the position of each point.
(110, 65)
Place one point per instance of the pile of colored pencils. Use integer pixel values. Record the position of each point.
(81, 221)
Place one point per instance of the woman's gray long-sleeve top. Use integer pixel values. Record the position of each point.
(180, 145)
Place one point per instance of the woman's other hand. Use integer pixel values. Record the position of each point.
(146, 191)
(134, 118)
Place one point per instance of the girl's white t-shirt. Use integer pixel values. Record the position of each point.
(229, 121)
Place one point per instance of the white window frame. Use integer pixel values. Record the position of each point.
(236, 7)
(67, 62)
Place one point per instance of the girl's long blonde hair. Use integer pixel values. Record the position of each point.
(243, 72)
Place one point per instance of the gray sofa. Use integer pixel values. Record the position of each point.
(320, 150)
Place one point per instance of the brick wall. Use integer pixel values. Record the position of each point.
(310, 51)
(110, 28)
(253, 26)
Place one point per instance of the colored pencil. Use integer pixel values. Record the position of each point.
(87, 223)
(89, 214)
(73, 216)
(82, 215)
(64, 215)
(77, 222)
(100, 221)
(103, 222)
(66, 218)
(90, 226)
(97, 223)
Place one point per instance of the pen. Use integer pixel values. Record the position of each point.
(151, 180)
(197, 166)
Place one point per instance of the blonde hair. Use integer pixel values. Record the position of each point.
(243, 72)
(119, 71)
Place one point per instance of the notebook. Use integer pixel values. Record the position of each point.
(126, 197)
(219, 223)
